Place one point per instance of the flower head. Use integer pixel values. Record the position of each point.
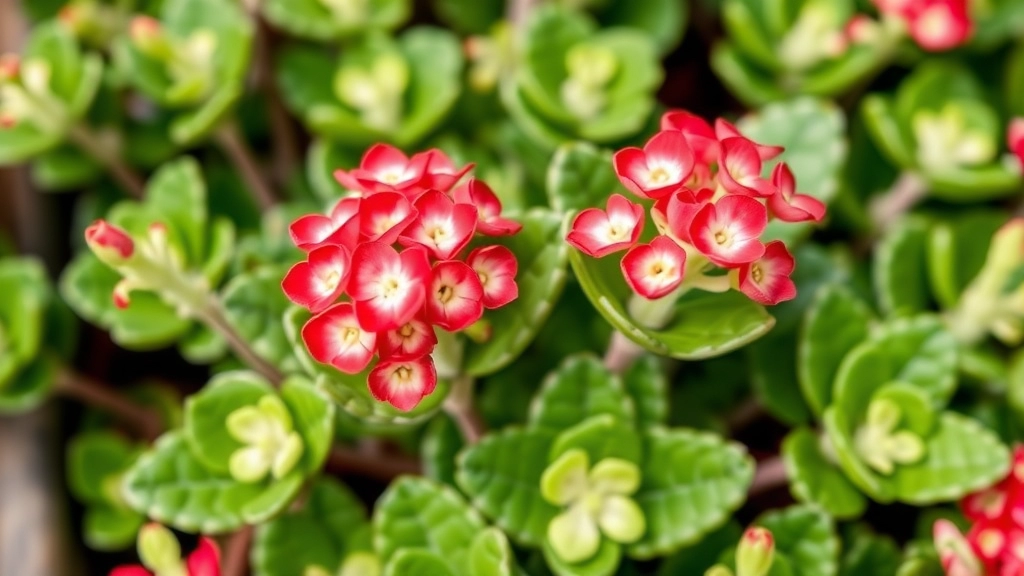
(597, 232)
(766, 280)
(653, 270)
(660, 168)
(385, 168)
(403, 383)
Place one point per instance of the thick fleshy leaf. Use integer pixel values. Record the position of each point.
(491, 555)
(312, 19)
(773, 372)
(579, 388)
(601, 436)
(692, 482)
(22, 314)
(957, 250)
(442, 441)
(580, 176)
(604, 562)
(31, 386)
(705, 324)
(94, 459)
(321, 533)
(836, 322)
(206, 415)
(501, 475)
(813, 134)
(417, 562)
(541, 254)
(698, 558)
(899, 268)
(814, 479)
(664, 21)
(647, 384)
(806, 537)
(255, 304)
(109, 528)
(313, 414)
(870, 553)
(170, 485)
(416, 513)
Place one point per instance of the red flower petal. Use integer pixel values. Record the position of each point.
(403, 384)
(674, 213)
(740, 169)
(698, 133)
(496, 266)
(1015, 138)
(598, 233)
(766, 280)
(455, 296)
(443, 227)
(661, 168)
(130, 571)
(656, 269)
(205, 560)
(317, 283)
(384, 216)
(341, 227)
(938, 25)
(488, 206)
(441, 173)
(413, 340)
(334, 337)
(786, 204)
(728, 231)
(725, 129)
(388, 288)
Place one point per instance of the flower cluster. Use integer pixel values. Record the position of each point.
(935, 25)
(994, 545)
(1015, 139)
(710, 205)
(393, 254)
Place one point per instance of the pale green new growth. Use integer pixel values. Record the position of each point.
(271, 444)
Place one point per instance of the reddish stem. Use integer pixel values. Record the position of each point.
(98, 395)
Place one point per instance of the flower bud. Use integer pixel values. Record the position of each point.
(7, 121)
(10, 64)
(1015, 139)
(148, 36)
(756, 552)
(111, 244)
(159, 549)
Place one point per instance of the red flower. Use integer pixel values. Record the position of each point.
(496, 266)
(318, 282)
(443, 227)
(598, 233)
(203, 561)
(109, 242)
(335, 337)
(403, 383)
(740, 169)
(786, 204)
(387, 287)
(455, 296)
(385, 168)
(674, 213)
(653, 270)
(441, 173)
(340, 227)
(728, 231)
(697, 132)
(660, 168)
(413, 340)
(479, 194)
(725, 129)
(384, 216)
(938, 25)
(766, 280)
(1015, 139)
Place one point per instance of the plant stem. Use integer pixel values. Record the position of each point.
(89, 391)
(887, 209)
(236, 553)
(90, 143)
(213, 316)
(344, 460)
(770, 474)
(459, 405)
(229, 138)
(621, 353)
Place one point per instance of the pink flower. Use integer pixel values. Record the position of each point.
(653, 270)
(786, 204)
(766, 280)
(740, 169)
(403, 383)
(1015, 138)
(598, 233)
(203, 561)
(441, 173)
(340, 227)
(413, 340)
(697, 132)
(443, 227)
(335, 337)
(479, 194)
(318, 282)
(496, 266)
(938, 25)
(455, 296)
(674, 213)
(660, 168)
(725, 129)
(384, 216)
(387, 287)
(110, 243)
(385, 168)
(954, 551)
(728, 231)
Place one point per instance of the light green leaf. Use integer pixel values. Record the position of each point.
(321, 533)
(254, 304)
(435, 80)
(814, 479)
(322, 159)
(442, 441)
(170, 485)
(312, 19)
(601, 436)
(751, 85)
(580, 176)
(490, 554)
(705, 324)
(541, 253)
(698, 558)
(899, 269)
(870, 553)
(604, 562)
(579, 388)
(805, 536)
(664, 21)
(836, 322)
(501, 476)
(64, 168)
(206, 415)
(415, 513)
(957, 250)
(93, 459)
(692, 482)
(417, 562)
(106, 528)
(313, 414)
(31, 387)
(647, 384)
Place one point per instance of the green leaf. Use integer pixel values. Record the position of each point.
(415, 513)
(579, 388)
(313, 414)
(774, 376)
(107, 528)
(64, 168)
(705, 324)
(501, 476)
(22, 314)
(836, 322)
(490, 554)
(664, 21)
(170, 485)
(870, 553)
(323, 158)
(31, 386)
(692, 482)
(698, 558)
(604, 562)
(814, 479)
(541, 253)
(899, 269)
(805, 536)
(749, 84)
(580, 176)
(93, 459)
(893, 140)
(957, 250)
(470, 16)
(417, 562)
(206, 415)
(647, 384)
(24, 141)
(312, 19)
(254, 304)
(435, 80)
(600, 437)
(441, 443)
(319, 534)
(813, 134)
